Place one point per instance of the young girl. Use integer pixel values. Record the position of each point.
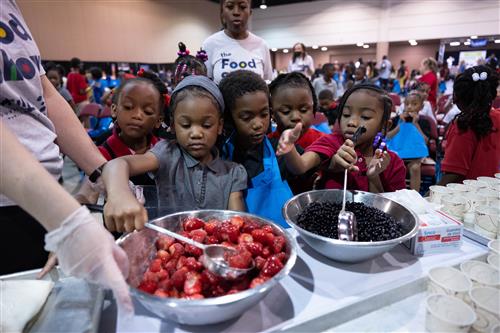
(293, 101)
(55, 74)
(473, 139)
(409, 137)
(370, 169)
(186, 64)
(247, 121)
(188, 171)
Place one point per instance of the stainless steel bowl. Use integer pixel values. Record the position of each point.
(347, 251)
(140, 245)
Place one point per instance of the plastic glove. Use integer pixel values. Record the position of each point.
(86, 250)
(288, 139)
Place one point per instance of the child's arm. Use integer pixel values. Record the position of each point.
(344, 158)
(297, 164)
(122, 211)
(237, 202)
(392, 133)
(415, 122)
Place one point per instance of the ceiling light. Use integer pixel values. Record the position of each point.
(324, 48)
(285, 50)
(467, 43)
(497, 41)
(414, 44)
(412, 41)
(473, 37)
(263, 4)
(454, 43)
(359, 44)
(315, 47)
(366, 46)
(274, 49)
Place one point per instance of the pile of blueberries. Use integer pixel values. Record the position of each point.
(373, 224)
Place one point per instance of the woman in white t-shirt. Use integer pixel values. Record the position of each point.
(235, 47)
(301, 61)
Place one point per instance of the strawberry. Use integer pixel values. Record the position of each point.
(176, 250)
(245, 238)
(163, 242)
(228, 244)
(150, 276)
(240, 260)
(173, 293)
(241, 284)
(269, 238)
(192, 223)
(181, 262)
(163, 255)
(165, 284)
(237, 221)
(161, 293)
(198, 235)
(259, 262)
(254, 248)
(171, 266)
(278, 244)
(193, 250)
(272, 266)
(281, 256)
(195, 296)
(179, 277)
(259, 235)
(268, 228)
(227, 232)
(212, 240)
(232, 291)
(193, 265)
(155, 265)
(192, 284)
(257, 281)
(266, 252)
(209, 279)
(249, 226)
(210, 226)
(162, 275)
(148, 286)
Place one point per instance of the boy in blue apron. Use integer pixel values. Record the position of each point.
(247, 121)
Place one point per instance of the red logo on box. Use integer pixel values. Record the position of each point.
(450, 239)
(429, 238)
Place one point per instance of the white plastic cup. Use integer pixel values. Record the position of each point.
(484, 232)
(486, 304)
(492, 196)
(481, 274)
(495, 329)
(474, 185)
(454, 205)
(449, 281)
(436, 192)
(448, 314)
(493, 260)
(458, 188)
(489, 180)
(494, 246)
(488, 218)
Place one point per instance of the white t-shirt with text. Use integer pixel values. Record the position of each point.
(226, 55)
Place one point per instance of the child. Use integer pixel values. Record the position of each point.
(188, 171)
(54, 74)
(423, 89)
(186, 64)
(328, 107)
(473, 139)
(247, 121)
(370, 169)
(293, 101)
(76, 83)
(410, 136)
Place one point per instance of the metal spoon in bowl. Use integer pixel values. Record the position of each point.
(347, 227)
(214, 255)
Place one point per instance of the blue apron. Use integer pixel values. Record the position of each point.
(408, 143)
(267, 192)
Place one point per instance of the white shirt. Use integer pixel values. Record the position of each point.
(386, 71)
(226, 55)
(300, 65)
(320, 84)
(450, 115)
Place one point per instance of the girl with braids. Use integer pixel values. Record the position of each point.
(186, 64)
(473, 139)
(294, 101)
(371, 167)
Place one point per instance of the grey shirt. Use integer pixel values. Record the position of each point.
(183, 183)
(320, 84)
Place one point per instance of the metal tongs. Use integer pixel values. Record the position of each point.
(347, 225)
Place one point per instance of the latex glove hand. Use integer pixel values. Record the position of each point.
(346, 156)
(378, 163)
(124, 213)
(86, 250)
(288, 139)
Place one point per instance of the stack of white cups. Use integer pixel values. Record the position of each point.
(475, 202)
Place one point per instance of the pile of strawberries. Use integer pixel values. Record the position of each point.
(177, 270)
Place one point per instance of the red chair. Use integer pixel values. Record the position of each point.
(87, 111)
(496, 103)
(442, 103)
(105, 112)
(396, 100)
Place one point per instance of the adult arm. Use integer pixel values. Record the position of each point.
(71, 136)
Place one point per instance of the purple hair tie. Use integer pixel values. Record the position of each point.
(202, 55)
(183, 53)
(379, 142)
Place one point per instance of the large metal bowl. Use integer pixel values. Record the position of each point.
(140, 248)
(346, 251)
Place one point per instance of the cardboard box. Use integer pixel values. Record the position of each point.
(438, 233)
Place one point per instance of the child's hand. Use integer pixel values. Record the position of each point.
(414, 116)
(287, 139)
(346, 156)
(124, 213)
(378, 163)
